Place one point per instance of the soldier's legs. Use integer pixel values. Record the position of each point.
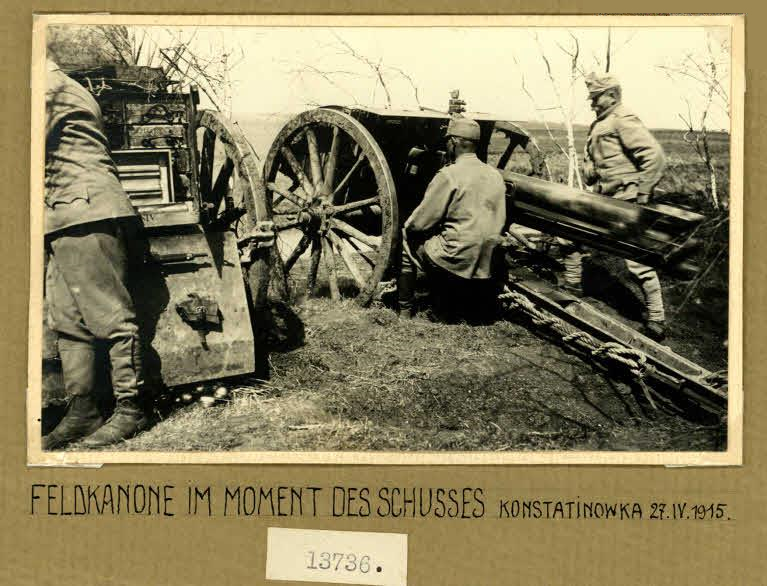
(651, 288)
(573, 263)
(91, 264)
(410, 262)
(445, 289)
(78, 362)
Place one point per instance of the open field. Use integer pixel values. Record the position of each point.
(346, 378)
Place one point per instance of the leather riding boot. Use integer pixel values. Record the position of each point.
(78, 362)
(127, 420)
(406, 293)
(129, 417)
(126, 367)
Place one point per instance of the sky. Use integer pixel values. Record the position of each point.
(281, 70)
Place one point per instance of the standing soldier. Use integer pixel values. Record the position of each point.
(623, 160)
(87, 216)
(453, 233)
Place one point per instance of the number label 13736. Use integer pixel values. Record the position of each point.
(339, 562)
(339, 557)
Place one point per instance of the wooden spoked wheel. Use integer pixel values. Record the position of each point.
(232, 192)
(519, 155)
(333, 202)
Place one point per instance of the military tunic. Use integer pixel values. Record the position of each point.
(621, 152)
(81, 183)
(461, 216)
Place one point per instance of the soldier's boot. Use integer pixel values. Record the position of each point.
(655, 330)
(129, 417)
(78, 363)
(406, 283)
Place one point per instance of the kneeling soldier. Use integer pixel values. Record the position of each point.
(452, 234)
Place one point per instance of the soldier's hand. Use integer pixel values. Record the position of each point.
(643, 198)
(629, 192)
(589, 175)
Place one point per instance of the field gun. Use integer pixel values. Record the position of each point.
(341, 181)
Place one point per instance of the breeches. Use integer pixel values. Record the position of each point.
(646, 276)
(451, 296)
(88, 298)
(650, 283)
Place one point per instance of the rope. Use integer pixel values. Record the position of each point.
(614, 353)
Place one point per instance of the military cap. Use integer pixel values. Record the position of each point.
(597, 83)
(463, 128)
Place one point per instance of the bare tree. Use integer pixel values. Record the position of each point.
(84, 45)
(704, 78)
(184, 60)
(538, 109)
(131, 45)
(177, 53)
(380, 74)
(566, 108)
(564, 83)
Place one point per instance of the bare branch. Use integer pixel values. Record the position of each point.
(573, 172)
(537, 109)
(327, 76)
(376, 68)
(412, 84)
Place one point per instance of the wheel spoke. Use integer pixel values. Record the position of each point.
(294, 223)
(314, 264)
(504, 160)
(314, 158)
(279, 198)
(282, 274)
(330, 262)
(374, 241)
(295, 166)
(221, 186)
(332, 161)
(365, 254)
(345, 251)
(303, 244)
(355, 205)
(345, 181)
(206, 163)
(291, 197)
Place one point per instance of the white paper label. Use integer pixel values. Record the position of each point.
(340, 557)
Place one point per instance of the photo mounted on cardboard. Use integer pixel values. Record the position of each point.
(283, 239)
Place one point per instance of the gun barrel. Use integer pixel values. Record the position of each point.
(656, 235)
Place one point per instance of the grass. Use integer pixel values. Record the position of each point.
(366, 380)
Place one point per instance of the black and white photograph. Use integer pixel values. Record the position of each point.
(386, 240)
